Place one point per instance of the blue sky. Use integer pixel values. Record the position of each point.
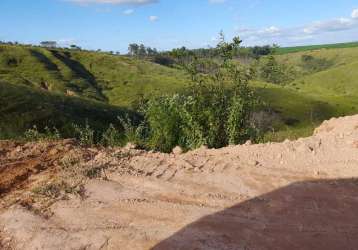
(165, 24)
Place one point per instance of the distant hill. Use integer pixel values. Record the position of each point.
(95, 75)
(21, 107)
(58, 87)
(285, 50)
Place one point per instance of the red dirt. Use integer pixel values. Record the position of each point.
(293, 195)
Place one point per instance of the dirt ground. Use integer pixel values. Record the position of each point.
(293, 195)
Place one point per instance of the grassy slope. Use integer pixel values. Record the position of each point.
(285, 50)
(335, 90)
(120, 80)
(104, 77)
(21, 107)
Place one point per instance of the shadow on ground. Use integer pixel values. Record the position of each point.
(304, 215)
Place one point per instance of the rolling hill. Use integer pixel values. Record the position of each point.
(21, 107)
(55, 87)
(100, 76)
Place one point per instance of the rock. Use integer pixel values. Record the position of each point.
(177, 150)
(130, 146)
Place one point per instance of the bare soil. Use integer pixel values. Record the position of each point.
(292, 195)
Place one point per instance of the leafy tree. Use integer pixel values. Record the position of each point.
(133, 49)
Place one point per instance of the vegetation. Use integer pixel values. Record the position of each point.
(116, 80)
(65, 91)
(215, 110)
(285, 50)
(22, 107)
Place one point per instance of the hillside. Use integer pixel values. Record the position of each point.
(293, 195)
(329, 91)
(118, 80)
(37, 73)
(21, 107)
(286, 50)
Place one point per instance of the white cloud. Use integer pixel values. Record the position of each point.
(132, 2)
(355, 14)
(271, 30)
(153, 18)
(330, 26)
(128, 12)
(307, 32)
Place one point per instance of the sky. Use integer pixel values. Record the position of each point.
(165, 24)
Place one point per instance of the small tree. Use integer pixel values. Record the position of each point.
(215, 110)
(133, 49)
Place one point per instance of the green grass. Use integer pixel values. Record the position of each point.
(21, 107)
(60, 87)
(113, 79)
(337, 81)
(286, 50)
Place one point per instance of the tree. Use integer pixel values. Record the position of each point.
(133, 49)
(142, 51)
(215, 110)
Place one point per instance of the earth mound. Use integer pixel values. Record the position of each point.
(292, 195)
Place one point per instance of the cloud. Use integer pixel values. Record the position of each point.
(306, 32)
(355, 14)
(118, 2)
(271, 30)
(128, 12)
(330, 25)
(153, 18)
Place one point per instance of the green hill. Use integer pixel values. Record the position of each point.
(21, 107)
(114, 79)
(286, 50)
(57, 87)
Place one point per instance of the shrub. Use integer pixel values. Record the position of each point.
(85, 134)
(111, 137)
(34, 134)
(132, 133)
(214, 111)
(312, 64)
(273, 72)
(163, 60)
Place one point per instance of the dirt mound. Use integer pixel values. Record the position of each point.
(292, 195)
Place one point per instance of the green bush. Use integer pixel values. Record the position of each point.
(34, 134)
(85, 134)
(215, 110)
(273, 72)
(312, 64)
(111, 137)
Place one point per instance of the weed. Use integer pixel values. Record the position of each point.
(85, 134)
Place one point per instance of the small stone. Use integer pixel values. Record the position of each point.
(248, 143)
(130, 146)
(177, 150)
(53, 152)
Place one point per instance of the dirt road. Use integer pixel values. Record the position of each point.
(293, 195)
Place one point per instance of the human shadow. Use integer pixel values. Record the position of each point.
(304, 215)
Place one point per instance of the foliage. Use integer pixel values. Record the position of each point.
(111, 137)
(312, 64)
(214, 111)
(273, 72)
(34, 134)
(133, 133)
(85, 134)
(259, 51)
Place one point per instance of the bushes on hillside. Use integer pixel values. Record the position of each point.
(214, 111)
(272, 71)
(312, 64)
